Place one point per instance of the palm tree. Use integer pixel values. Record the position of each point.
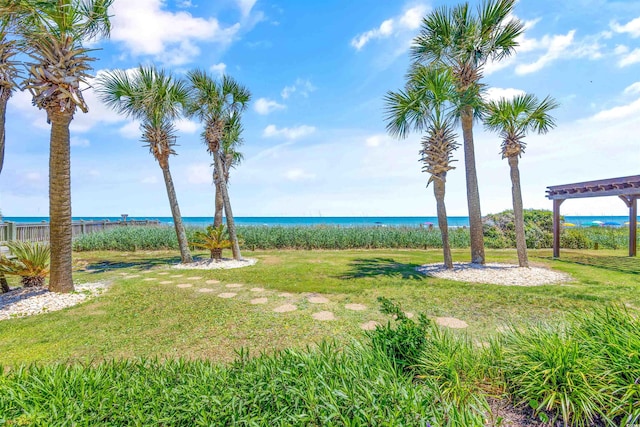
(427, 104)
(52, 34)
(464, 42)
(231, 158)
(218, 105)
(513, 119)
(155, 98)
(8, 75)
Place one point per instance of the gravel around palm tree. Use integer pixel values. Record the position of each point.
(157, 99)
(464, 42)
(218, 104)
(513, 119)
(428, 105)
(52, 34)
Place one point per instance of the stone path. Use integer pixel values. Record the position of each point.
(318, 300)
(184, 285)
(323, 315)
(285, 308)
(227, 295)
(355, 307)
(451, 322)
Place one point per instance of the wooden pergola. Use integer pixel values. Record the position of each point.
(626, 188)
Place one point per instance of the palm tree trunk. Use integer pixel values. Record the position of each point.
(3, 115)
(217, 219)
(473, 194)
(60, 231)
(516, 194)
(231, 226)
(183, 244)
(4, 286)
(439, 191)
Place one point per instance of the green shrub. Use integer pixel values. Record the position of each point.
(499, 229)
(574, 239)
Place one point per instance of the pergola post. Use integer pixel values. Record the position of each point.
(632, 203)
(556, 227)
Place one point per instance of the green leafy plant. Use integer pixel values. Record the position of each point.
(214, 239)
(30, 262)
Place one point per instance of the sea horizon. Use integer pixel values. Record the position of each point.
(342, 221)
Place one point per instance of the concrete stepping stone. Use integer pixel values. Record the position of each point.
(285, 308)
(257, 289)
(369, 326)
(318, 300)
(233, 285)
(409, 315)
(193, 278)
(163, 273)
(148, 279)
(146, 271)
(131, 276)
(184, 285)
(205, 290)
(175, 276)
(355, 307)
(166, 282)
(259, 301)
(285, 295)
(323, 315)
(212, 282)
(227, 295)
(451, 322)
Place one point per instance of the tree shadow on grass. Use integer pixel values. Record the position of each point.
(141, 265)
(622, 264)
(385, 267)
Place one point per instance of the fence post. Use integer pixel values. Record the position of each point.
(82, 227)
(11, 231)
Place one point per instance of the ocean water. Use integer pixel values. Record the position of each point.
(365, 221)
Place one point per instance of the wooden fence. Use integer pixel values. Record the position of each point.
(39, 231)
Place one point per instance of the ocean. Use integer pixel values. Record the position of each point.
(362, 221)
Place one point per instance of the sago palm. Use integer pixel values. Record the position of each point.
(428, 105)
(156, 98)
(29, 260)
(217, 104)
(513, 119)
(457, 38)
(214, 239)
(52, 34)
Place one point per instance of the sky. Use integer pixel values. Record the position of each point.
(315, 140)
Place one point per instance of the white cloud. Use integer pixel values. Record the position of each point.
(632, 27)
(151, 179)
(630, 58)
(220, 68)
(298, 175)
(131, 130)
(618, 113)
(79, 142)
(620, 49)
(187, 126)
(556, 48)
(199, 174)
(410, 20)
(146, 29)
(288, 133)
(33, 176)
(377, 140)
(301, 86)
(264, 106)
(632, 88)
(497, 93)
(246, 6)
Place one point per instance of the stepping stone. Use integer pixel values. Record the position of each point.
(285, 308)
(166, 282)
(451, 322)
(234, 285)
(146, 271)
(184, 285)
(318, 300)
(285, 295)
(257, 289)
(212, 282)
(227, 295)
(369, 326)
(193, 278)
(148, 279)
(259, 301)
(163, 273)
(323, 315)
(205, 290)
(175, 276)
(132, 276)
(356, 307)
(409, 314)
(124, 274)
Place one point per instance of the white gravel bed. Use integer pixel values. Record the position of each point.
(225, 263)
(29, 301)
(496, 274)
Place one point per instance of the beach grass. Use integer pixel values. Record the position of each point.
(139, 316)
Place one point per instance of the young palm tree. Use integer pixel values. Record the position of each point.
(513, 119)
(8, 75)
(155, 98)
(427, 104)
(52, 34)
(231, 158)
(464, 42)
(217, 105)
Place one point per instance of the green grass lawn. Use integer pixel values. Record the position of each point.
(138, 318)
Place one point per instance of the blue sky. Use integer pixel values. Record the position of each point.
(315, 140)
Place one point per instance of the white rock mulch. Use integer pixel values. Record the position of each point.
(225, 263)
(496, 274)
(29, 301)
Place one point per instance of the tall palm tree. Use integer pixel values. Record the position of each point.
(464, 42)
(52, 35)
(231, 158)
(428, 104)
(217, 104)
(155, 98)
(513, 119)
(8, 76)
